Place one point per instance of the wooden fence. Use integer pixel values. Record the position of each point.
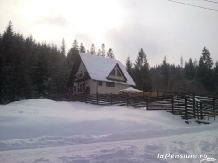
(147, 94)
(188, 105)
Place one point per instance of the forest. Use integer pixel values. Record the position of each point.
(29, 69)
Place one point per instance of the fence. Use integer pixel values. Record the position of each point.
(188, 105)
(185, 104)
(147, 94)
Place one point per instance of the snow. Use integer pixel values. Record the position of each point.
(130, 89)
(100, 67)
(43, 130)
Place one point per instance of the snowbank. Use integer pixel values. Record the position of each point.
(42, 123)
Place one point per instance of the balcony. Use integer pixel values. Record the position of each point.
(81, 76)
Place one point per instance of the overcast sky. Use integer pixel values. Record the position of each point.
(160, 27)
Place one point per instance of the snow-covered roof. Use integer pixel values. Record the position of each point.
(130, 89)
(100, 67)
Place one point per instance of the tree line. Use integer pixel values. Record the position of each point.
(29, 69)
(199, 77)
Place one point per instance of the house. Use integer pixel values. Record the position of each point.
(92, 74)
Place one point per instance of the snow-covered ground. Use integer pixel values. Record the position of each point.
(46, 131)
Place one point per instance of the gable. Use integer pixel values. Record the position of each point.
(116, 74)
(78, 72)
(82, 67)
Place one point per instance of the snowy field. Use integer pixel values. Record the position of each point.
(46, 131)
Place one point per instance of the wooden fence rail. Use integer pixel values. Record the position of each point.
(185, 104)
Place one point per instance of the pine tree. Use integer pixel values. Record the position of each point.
(181, 62)
(63, 47)
(146, 78)
(141, 74)
(165, 72)
(72, 55)
(99, 52)
(103, 53)
(92, 51)
(2, 71)
(205, 73)
(110, 53)
(82, 48)
(216, 78)
(207, 59)
(140, 59)
(189, 70)
(195, 63)
(29, 69)
(129, 66)
(9, 59)
(75, 45)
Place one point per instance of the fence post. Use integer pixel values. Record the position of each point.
(201, 110)
(214, 107)
(194, 105)
(111, 98)
(127, 104)
(147, 103)
(186, 109)
(172, 105)
(97, 98)
(197, 110)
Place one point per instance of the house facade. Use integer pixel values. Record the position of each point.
(92, 74)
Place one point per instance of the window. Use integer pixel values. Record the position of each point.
(100, 83)
(108, 84)
(74, 89)
(112, 72)
(81, 87)
(118, 73)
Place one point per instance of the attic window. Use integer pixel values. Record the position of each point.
(118, 73)
(112, 72)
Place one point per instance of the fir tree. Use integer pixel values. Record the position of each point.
(205, 74)
(110, 53)
(92, 51)
(72, 55)
(75, 45)
(63, 47)
(82, 48)
(141, 72)
(165, 72)
(146, 78)
(9, 59)
(103, 53)
(216, 78)
(140, 59)
(181, 62)
(195, 63)
(129, 66)
(206, 58)
(99, 52)
(189, 70)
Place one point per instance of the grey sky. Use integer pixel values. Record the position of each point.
(160, 27)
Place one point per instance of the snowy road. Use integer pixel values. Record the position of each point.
(125, 151)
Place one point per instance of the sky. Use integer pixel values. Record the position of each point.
(160, 27)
